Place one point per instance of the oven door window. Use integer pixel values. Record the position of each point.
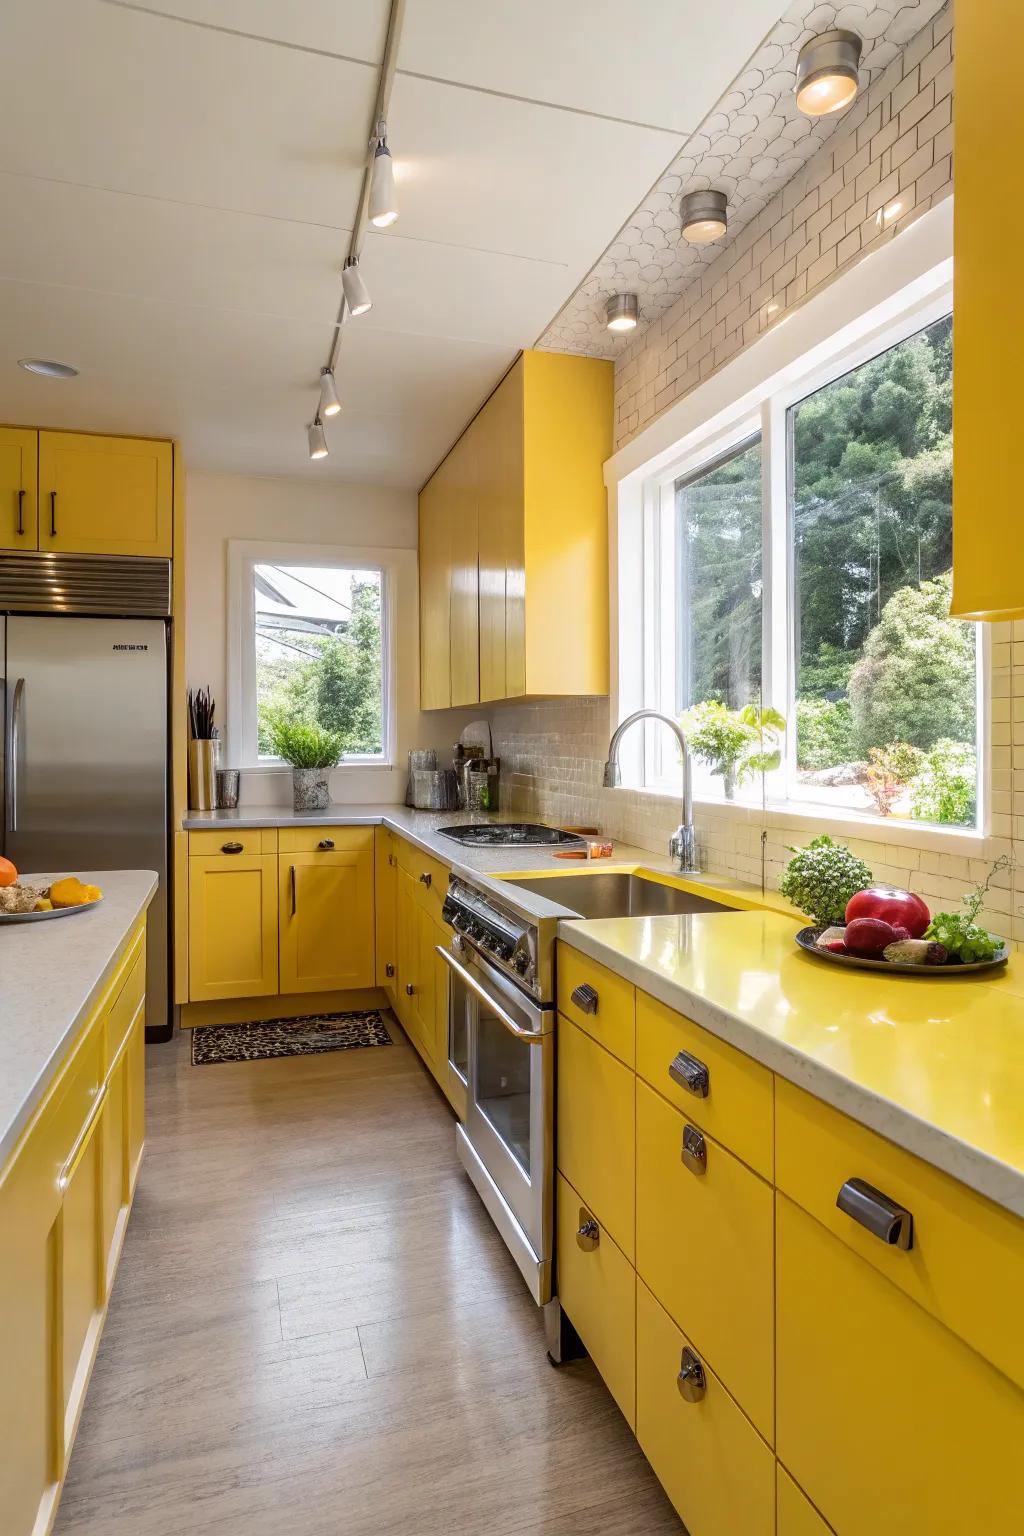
(504, 1069)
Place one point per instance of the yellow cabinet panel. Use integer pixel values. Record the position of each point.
(500, 476)
(136, 1070)
(82, 1261)
(232, 841)
(712, 1463)
(232, 926)
(890, 1423)
(114, 1167)
(323, 840)
(385, 882)
(597, 1288)
(610, 1012)
(407, 938)
(435, 562)
(327, 926)
(19, 453)
(104, 495)
(704, 1246)
(795, 1514)
(465, 574)
(436, 934)
(597, 1131)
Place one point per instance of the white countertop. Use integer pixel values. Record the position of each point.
(50, 975)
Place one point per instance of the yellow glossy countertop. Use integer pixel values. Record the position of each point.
(935, 1065)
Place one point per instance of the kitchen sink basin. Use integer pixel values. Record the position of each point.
(607, 893)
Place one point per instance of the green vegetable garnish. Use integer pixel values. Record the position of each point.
(960, 933)
(822, 877)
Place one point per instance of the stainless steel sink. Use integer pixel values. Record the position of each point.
(610, 894)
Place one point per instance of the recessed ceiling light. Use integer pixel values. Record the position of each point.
(827, 72)
(704, 216)
(622, 312)
(48, 369)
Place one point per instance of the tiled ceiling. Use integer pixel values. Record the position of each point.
(180, 180)
(749, 145)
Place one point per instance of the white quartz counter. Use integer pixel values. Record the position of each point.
(50, 975)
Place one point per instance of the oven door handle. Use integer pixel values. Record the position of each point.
(530, 1036)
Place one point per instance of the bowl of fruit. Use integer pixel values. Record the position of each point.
(875, 927)
(41, 900)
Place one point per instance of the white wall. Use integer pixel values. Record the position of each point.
(223, 507)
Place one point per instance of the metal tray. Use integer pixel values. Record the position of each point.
(806, 937)
(42, 917)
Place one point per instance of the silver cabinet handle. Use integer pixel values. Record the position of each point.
(389, 969)
(295, 894)
(695, 1150)
(21, 514)
(13, 744)
(327, 842)
(882, 1217)
(588, 1233)
(53, 514)
(690, 1074)
(585, 997)
(426, 879)
(691, 1381)
(531, 1037)
(409, 989)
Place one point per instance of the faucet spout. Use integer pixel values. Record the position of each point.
(683, 843)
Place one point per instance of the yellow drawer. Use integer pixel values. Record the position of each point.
(231, 842)
(966, 1265)
(597, 1287)
(325, 839)
(609, 1013)
(732, 1095)
(129, 991)
(711, 1461)
(704, 1246)
(429, 876)
(795, 1515)
(596, 1130)
(890, 1423)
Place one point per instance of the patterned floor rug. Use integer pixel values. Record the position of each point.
(309, 1036)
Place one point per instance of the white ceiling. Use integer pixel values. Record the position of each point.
(179, 182)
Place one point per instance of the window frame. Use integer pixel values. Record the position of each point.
(765, 412)
(243, 557)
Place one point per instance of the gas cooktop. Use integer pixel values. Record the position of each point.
(509, 834)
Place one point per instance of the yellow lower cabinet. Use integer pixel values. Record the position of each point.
(892, 1424)
(135, 1068)
(424, 999)
(795, 1515)
(114, 1165)
(712, 1463)
(597, 1288)
(406, 930)
(326, 920)
(385, 881)
(442, 975)
(704, 1245)
(232, 926)
(597, 1130)
(83, 1268)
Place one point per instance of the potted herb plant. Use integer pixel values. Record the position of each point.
(311, 751)
(734, 742)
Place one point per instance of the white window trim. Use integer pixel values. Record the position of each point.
(243, 557)
(900, 289)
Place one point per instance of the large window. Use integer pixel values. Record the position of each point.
(797, 616)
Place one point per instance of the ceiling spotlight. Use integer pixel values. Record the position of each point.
(703, 216)
(317, 438)
(357, 295)
(48, 369)
(622, 312)
(383, 204)
(330, 405)
(827, 76)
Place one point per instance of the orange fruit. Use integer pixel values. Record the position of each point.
(8, 873)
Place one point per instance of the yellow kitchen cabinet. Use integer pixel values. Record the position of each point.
(325, 901)
(407, 947)
(385, 882)
(104, 495)
(517, 513)
(232, 926)
(597, 1288)
(82, 1292)
(19, 451)
(890, 1423)
(597, 1131)
(795, 1515)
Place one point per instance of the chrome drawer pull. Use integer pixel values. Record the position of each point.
(585, 997)
(695, 1150)
(232, 847)
(690, 1074)
(588, 1233)
(327, 842)
(389, 969)
(409, 989)
(691, 1381)
(879, 1215)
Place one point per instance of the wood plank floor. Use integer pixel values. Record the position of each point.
(316, 1329)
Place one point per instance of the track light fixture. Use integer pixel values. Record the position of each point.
(622, 312)
(704, 216)
(330, 405)
(383, 204)
(357, 295)
(827, 72)
(317, 438)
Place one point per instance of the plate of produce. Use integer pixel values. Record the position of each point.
(38, 903)
(883, 927)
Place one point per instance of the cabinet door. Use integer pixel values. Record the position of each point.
(500, 520)
(795, 1515)
(136, 1075)
(385, 880)
(116, 1189)
(465, 581)
(425, 983)
(104, 495)
(435, 556)
(83, 1270)
(407, 924)
(327, 928)
(232, 927)
(597, 1131)
(597, 1288)
(19, 451)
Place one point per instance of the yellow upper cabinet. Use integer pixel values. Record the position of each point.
(988, 314)
(514, 541)
(104, 495)
(18, 504)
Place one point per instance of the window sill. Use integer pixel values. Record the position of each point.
(282, 767)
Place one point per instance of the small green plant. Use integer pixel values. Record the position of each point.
(945, 790)
(960, 932)
(734, 742)
(304, 746)
(890, 769)
(821, 878)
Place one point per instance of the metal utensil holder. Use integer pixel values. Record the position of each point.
(203, 759)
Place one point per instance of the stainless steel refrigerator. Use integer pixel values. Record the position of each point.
(85, 759)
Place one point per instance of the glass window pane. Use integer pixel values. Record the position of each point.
(318, 652)
(885, 680)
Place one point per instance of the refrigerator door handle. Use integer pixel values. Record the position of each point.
(12, 755)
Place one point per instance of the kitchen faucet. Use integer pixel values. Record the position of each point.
(682, 845)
